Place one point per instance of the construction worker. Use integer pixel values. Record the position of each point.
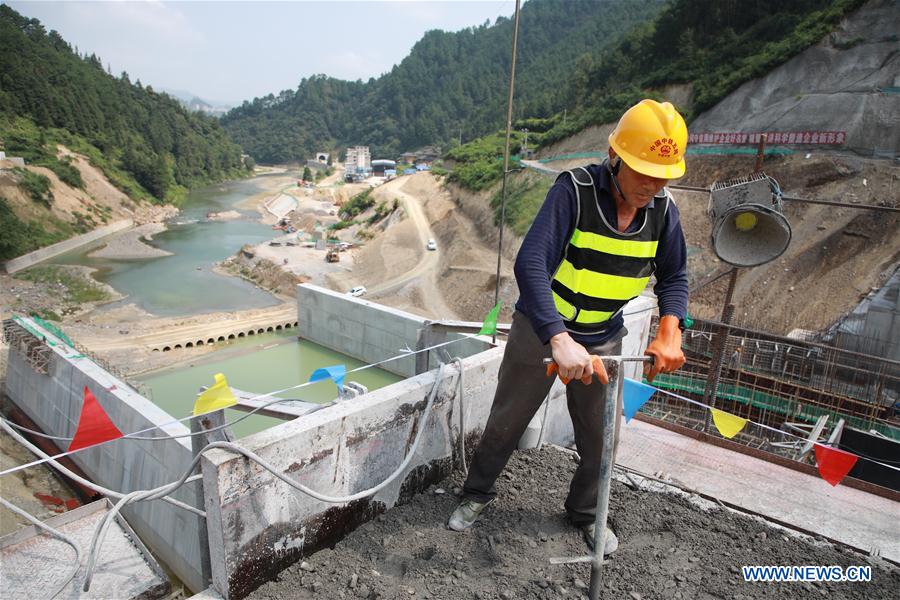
(735, 361)
(601, 232)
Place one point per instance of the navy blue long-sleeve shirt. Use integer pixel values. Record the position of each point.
(544, 247)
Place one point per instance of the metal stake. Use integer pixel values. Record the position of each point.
(607, 459)
(606, 462)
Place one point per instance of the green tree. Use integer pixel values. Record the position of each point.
(448, 79)
(130, 128)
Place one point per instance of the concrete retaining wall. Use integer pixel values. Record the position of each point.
(367, 331)
(47, 252)
(258, 525)
(54, 402)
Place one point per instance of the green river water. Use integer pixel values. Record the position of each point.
(260, 365)
(184, 284)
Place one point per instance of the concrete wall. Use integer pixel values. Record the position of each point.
(47, 252)
(367, 331)
(258, 525)
(54, 402)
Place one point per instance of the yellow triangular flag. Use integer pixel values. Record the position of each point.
(216, 396)
(729, 425)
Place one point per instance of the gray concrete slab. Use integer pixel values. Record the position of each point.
(853, 517)
(33, 563)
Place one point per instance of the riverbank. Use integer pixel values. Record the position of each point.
(97, 325)
(131, 244)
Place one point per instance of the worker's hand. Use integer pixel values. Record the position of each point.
(665, 349)
(596, 365)
(571, 358)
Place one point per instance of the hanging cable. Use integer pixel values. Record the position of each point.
(134, 435)
(86, 482)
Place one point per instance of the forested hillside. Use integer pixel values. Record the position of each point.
(146, 143)
(711, 45)
(450, 85)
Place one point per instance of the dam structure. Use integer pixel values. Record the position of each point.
(235, 524)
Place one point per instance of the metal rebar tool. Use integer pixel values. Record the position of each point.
(613, 398)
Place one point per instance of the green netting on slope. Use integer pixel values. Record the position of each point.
(42, 335)
(56, 331)
(572, 156)
(38, 334)
(720, 151)
(763, 401)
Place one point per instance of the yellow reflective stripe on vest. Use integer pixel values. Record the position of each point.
(590, 317)
(609, 245)
(600, 285)
(567, 311)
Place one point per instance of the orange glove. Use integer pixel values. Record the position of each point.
(596, 364)
(666, 349)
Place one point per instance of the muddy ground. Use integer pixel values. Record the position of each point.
(671, 546)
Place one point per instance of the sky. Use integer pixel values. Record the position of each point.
(228, 52)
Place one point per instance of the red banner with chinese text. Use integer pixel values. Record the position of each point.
(834, 138)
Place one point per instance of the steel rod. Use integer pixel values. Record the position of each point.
(608, 428)
(509, 110)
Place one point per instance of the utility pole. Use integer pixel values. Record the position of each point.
(710, 394)
(509, 108)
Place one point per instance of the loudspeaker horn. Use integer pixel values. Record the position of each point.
(748, 227)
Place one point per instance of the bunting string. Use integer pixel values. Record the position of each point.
(772, 429)
(834, 463)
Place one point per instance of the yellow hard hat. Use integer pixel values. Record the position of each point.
(651, 138)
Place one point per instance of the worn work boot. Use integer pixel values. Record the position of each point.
(466, 514)
(612, 542)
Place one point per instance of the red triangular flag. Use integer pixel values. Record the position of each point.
(94, 426)
(833, 464)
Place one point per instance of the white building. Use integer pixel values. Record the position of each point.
(358, 160)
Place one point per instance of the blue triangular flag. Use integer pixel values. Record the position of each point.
(335, 373)
(634, 395)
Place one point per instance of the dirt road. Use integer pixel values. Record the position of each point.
(426, 270)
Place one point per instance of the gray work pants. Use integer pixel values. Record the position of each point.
(521, 388)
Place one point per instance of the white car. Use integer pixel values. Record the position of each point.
(357, 291)
(431, 245)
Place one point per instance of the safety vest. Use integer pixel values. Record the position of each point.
(602, 268)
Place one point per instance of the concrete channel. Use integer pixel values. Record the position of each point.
(255, 524)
